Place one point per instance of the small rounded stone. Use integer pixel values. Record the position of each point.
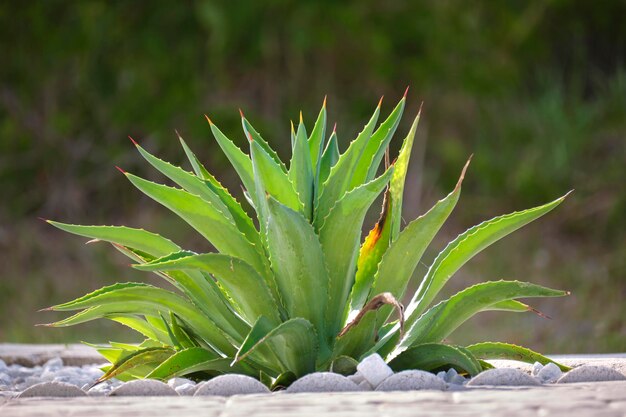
(143, 388)
(323, 382)
(231, 384)
(503, 376)
(412, 380)
(590, 373)
(52, 389)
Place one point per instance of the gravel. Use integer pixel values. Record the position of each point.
(54, 379)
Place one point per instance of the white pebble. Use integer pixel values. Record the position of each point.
(53, 364)
(589, 373)
(549, 374)
(231, 384)
(412, 380)
(177, 382)
(537, 367)
(374, 369)
(186, 389)
(357, 378)
(322, 382)
(365, 386)
(503, 376)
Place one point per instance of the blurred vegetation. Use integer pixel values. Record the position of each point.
(536, 90)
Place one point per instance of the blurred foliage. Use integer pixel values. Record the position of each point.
(536, 90)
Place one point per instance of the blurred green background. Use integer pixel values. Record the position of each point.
(536, 90)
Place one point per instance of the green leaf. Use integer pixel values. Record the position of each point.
(274, 180)
(396, 187)
(208, 220)
(147, 300)
(465, 247)
(301, 172)
(294, 342)
(496, 350)
(242, 283)
(441, 320)
(187, 181)
(239, 160)
(142, 326)
(181, 362)
(397, 264)
(338, 182)
(148, 356)
(249, 131)
(299, 266)
(241, 218)
(316, 140)
(373, 154)
(433, 356)
(139, 239)
(344, 365)
(327, 161)
(198, 168)
(340, 236)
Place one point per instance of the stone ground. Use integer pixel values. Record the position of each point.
(571, 400)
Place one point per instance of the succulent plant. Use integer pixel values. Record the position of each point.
(299, 290)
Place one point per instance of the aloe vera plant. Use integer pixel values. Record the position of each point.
(297, 289)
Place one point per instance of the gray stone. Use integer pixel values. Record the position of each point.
(590, 373)
(186, 389)
(323, 382)
(231, 384)
(52, 389)
(143, 387)
(549, 374)
(177, 382)
(374, 369)
(365, 386)
(53, 364)
(537, 367)
(357, 378)
(412, 380)
(503, 376)
(5, 379)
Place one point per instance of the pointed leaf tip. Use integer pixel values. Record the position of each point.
(120, 170)
(460, 181)
(241, 114)
(419, 112)
(380, 102)
(42, 219)
(335, 128)
(301, 117)
(324, 103)
(208, 120)
(406, 91)
(133, 141)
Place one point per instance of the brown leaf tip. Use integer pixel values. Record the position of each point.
(120, 170)
(208, 120)
(250, 137)
(458, 184)
(133, 141)
(301, 117)
(324, 103)
(241, 114)
(335, 128)
(380, 102)
(406, 91)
